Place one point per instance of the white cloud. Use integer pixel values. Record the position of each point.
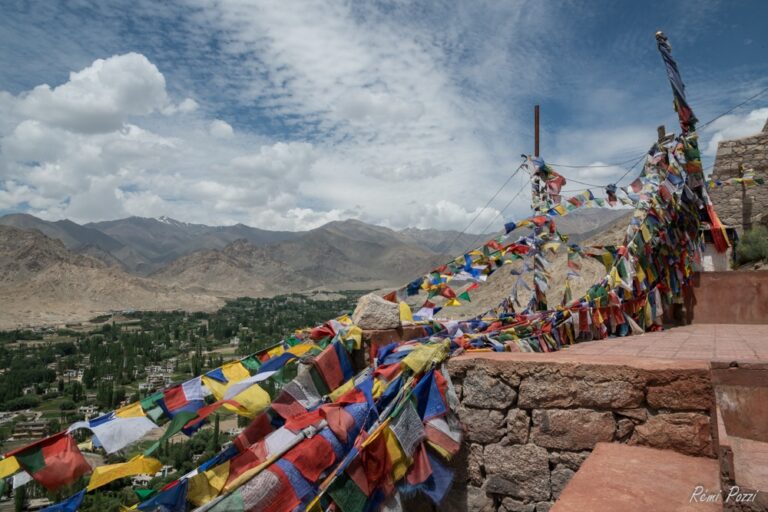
(187, 106)
(408, 171)
(100, 97)
(221, 129)
(735, 126)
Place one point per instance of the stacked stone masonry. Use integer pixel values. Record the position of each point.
(738, 206)
(529, 424)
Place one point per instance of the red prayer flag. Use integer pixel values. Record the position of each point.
(53, 462)
(256, 431)
(421, 469)
(327, 363)
(448, 293)
(312, 457)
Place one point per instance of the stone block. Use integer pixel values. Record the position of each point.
(510, 505)
(685, 432)
(544, 392)
(624, 428)
(570, 460)
(475, 464)
(638, 414)
(559, 479)
(483, 426)
(486, 392)
(478, 500)
(517, 471)
(571, 429)
(691, 393)
(518, 424)
(374, 312)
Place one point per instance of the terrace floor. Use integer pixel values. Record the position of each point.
(708, 342)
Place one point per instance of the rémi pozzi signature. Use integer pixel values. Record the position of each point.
(735, 495)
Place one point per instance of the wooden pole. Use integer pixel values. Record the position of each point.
(536, 130)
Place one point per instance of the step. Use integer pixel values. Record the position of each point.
(741, 390)
(638, 479)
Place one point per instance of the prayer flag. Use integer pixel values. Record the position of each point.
(347, 494)
(334, 365)
(405, 313)
(53, 462)
(172, 499)
(430, 402)
(186, 397)
(205, 486)
(71, 504)
(8, 466)
(102, 475)
(119, 428)
(174, 427)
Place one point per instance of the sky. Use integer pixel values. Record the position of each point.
(287, 115)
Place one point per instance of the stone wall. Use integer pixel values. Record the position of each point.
(738, 206)
(530, 422)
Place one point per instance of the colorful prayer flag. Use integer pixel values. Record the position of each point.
(53, 462)
(102, 475)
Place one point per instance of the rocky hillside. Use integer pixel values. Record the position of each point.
(337, 256)
(43, 282)
(501, 282)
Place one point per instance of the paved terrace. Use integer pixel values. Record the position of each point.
(707, 342)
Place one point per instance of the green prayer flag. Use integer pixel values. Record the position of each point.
(318, 381)
(173, 428)
(251, 363)
(143, 494)
(150, 401)
(465, 296)
(32, 460)
(232, 503)
(347, 495)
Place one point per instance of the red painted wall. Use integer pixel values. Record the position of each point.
(731, 298)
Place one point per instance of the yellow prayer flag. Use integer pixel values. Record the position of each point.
(615, 278)
(418, 359)
(453, 302)
(8, 467)
(344, 388)
(203, 487)
(138, 465)
(301, 349)
(355, 333)
(253, 400)
(405, 313)
(645, 232)
(235, 371)
(397, 456)
(640, 274)
(133, 410)
(217, 388)
(445, 454)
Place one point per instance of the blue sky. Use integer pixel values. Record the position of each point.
(287, 115)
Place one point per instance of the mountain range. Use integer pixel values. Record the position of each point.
(58, 271)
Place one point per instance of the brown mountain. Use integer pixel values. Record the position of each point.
(336, 256)
(43, 282)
